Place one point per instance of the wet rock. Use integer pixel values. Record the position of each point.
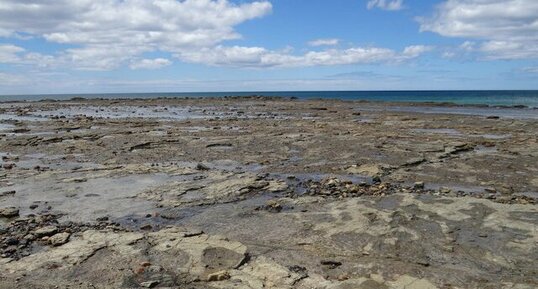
(216, 145)
(7, 193)
(192, 233)
(414, 162)
(46, 231)
(271, 206)
(490, 190)
(59, 239)
(11, 241)
(445, 190)
(202, 167)
(8, 166)
(376, 179)
(331, 263)
(146, 227)
(9, 212)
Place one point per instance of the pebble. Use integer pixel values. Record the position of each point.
(202, 167)
(9, 166)
(418, 185)
(59, 239)
(46, 231)
(330, 263)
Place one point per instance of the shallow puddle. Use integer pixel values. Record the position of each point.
(447, 131)
(119, 112)
(485, 150)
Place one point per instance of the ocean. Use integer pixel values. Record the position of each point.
(528, 98)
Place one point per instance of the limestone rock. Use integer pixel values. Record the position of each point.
(46, 231)
(59, 239)
(9, 212)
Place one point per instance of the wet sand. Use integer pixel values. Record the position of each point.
(259, 192)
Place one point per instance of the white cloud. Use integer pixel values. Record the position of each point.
(324, 42)
(10, 53)
(507, 29)
(260, 57)
(110, 33)
(385, 4)
(150, 63)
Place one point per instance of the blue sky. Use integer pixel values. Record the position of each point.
(92, 46)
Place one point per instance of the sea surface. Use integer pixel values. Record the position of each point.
(528, 98)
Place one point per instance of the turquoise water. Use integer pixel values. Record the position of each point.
(527, 98)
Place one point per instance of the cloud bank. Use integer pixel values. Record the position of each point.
(507, 29)
(108, 33)
(252, 57)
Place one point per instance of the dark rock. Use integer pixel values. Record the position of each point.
(418, 185)
(331, 264)
(7, 193)
(202, 167)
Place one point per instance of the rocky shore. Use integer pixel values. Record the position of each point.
(254, 192)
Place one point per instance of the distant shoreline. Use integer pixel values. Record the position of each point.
(513, 99)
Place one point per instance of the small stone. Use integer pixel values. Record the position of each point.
(9, 166)
(418, 185)
(146, 227)
(11, 241)
(273, 205)
(444, 190)
(59, 239)
(424, 263)
(218, 276)
(46, 231)
(193, 233)
(330, 263)
(9, 212)
(29, 237)
(202, 167)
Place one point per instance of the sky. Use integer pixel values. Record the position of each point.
(100, 46)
